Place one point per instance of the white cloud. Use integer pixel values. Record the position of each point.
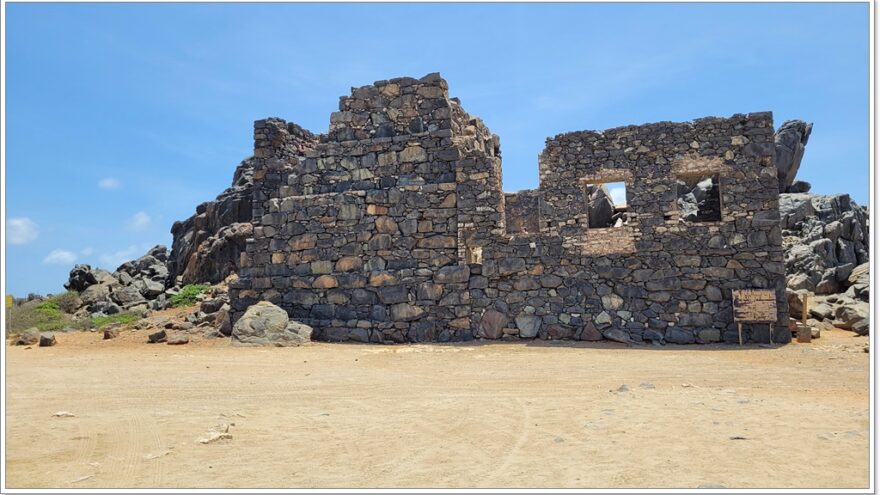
(618, 195)
(113, 260)
(22, 230)
(59, 257)
(138, 221)
(87, 251)
(109, 183)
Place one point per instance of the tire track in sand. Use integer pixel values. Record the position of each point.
(522, 435)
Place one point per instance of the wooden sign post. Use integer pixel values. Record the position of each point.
(754, 306)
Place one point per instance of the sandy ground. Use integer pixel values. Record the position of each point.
(480, 415)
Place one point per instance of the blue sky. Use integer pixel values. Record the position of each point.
(121, 118)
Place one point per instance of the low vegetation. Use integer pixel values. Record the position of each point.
(45, 315)
(54, 313)
(120, 318)
(188, 294)
(68, 302)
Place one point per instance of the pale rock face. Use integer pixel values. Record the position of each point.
(265, 324)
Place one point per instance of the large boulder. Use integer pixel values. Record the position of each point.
(29, 337)
(849, 316)
(601, 206)
(80, 278)
(95, 293)
(266, 324)
(791, 140)
(126, 296)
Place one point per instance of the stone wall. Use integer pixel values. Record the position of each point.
(393, 227)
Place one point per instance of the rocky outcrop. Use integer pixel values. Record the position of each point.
(826, 243)
(137, 286)
(207, 246)
(834, 310)
(825, 239)
(791, 140)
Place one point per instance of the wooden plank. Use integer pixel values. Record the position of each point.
(806, 304)
(754, 305)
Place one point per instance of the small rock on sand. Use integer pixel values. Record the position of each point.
(47, 339)
(63, 414)
(217, 433)
(178, 339)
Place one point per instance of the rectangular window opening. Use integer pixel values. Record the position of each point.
(699, 198)
(607, 205)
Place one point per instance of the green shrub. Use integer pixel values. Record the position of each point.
(69, 302)
(49, 308)
(120, 318)
(44, 315)
(187, 295)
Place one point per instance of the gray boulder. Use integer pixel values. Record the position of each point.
(860, 275)
(104, 308)
(266, 324)
(601, 207)
(799, 186)
(29, 337)
(222, 321)
(790, 141)
(177, 339)
(80, 278)
(95, 293)
(47, 339)
(157, 337)
(850, 314)
(126, 296)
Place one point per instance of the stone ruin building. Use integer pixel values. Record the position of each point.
(393, 227)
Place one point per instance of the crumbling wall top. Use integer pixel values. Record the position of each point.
(396, 107)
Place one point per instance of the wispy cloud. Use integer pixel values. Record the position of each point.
(22, 230)
(113, 260)
(87, 251)
(109, 183)
(59, 257)
(138, 221)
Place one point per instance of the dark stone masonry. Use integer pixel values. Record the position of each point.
(393, 227)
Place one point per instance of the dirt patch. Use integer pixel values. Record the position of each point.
(484, 415)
